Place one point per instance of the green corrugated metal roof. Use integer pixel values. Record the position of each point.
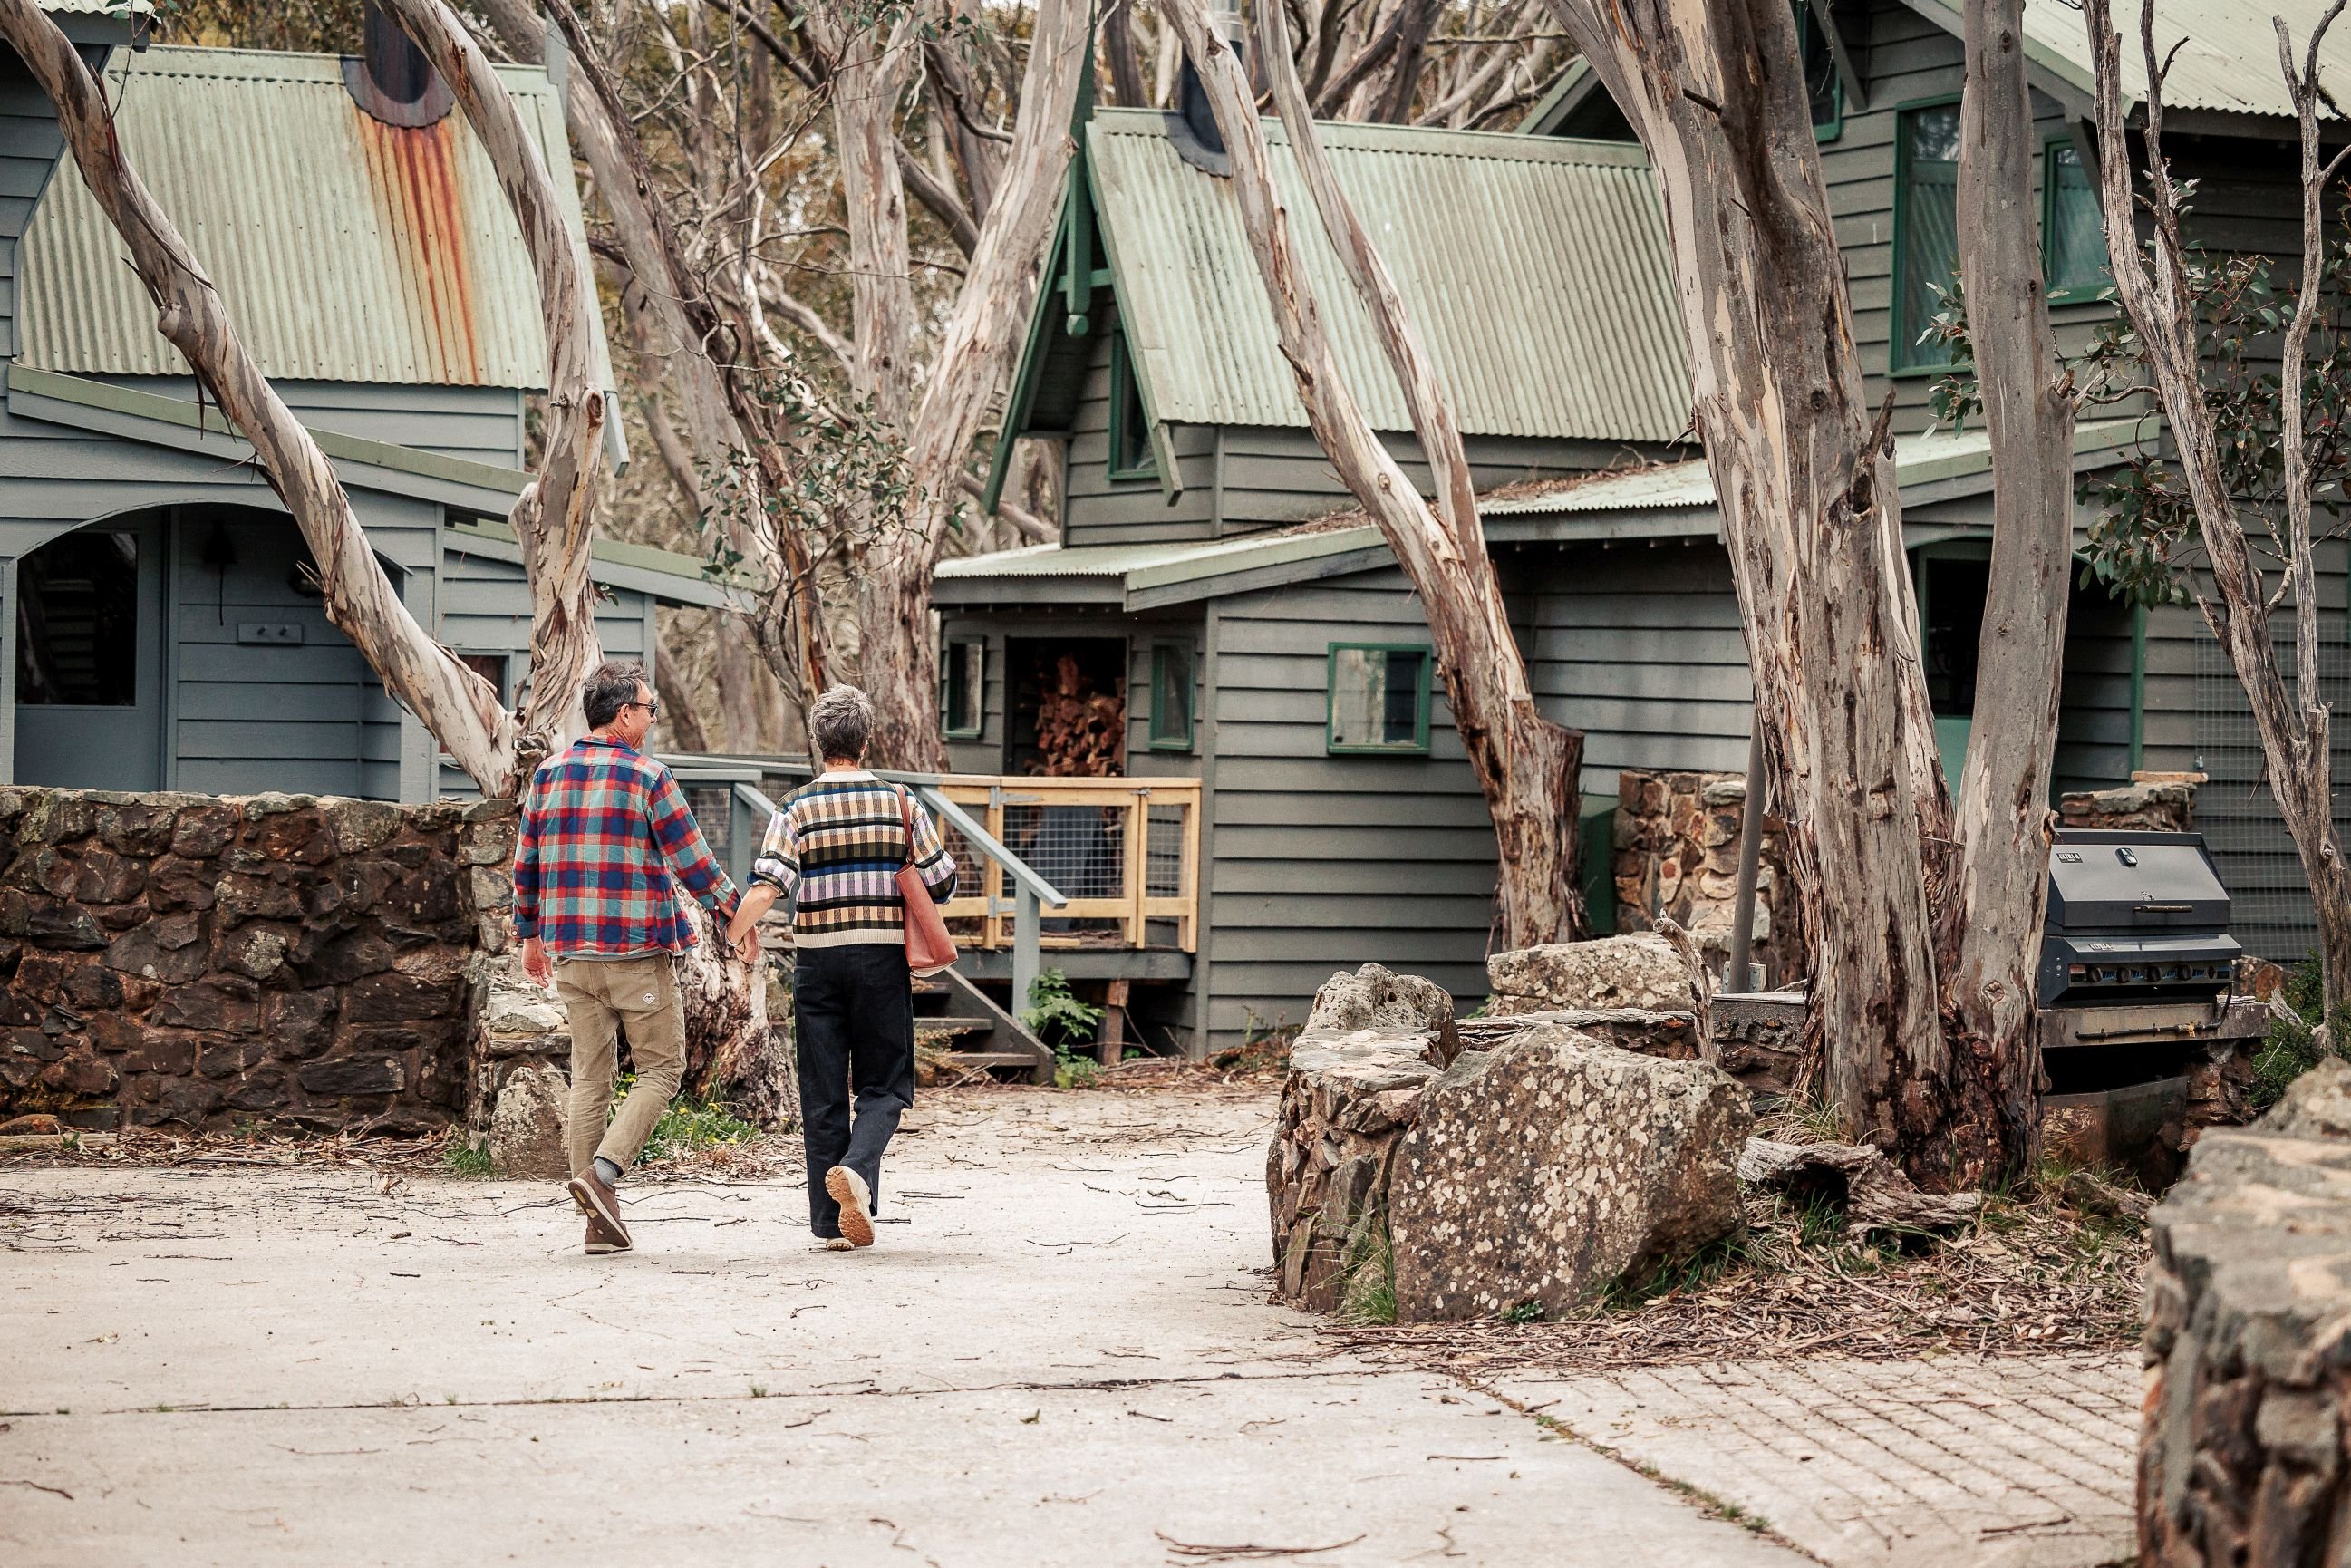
(2227, 59)
(345, 249)
(1535, 268)
(1927, 459)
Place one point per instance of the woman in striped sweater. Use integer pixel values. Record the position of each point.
(838, 842)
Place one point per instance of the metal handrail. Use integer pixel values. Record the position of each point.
(1031, 893)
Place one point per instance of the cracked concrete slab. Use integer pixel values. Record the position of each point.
(1062, 1356)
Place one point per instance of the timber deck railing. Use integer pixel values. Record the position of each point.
(1101, 863)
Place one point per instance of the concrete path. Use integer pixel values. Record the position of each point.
(1986, 1464)
(1062, 1356)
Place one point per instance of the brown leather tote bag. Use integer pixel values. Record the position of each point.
(929, 948)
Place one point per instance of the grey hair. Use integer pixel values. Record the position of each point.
(840, 723)
(609, 687)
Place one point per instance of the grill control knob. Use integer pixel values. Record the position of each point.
(2126, 854)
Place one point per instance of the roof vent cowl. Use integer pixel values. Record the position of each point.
(391, 78)
(1193, 125)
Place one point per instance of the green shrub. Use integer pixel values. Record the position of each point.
(459, 1157)
(2291, 1047)
(1055, 1015)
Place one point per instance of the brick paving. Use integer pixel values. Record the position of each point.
(1964, 1463)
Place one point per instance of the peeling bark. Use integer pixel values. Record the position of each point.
(896, 662)
(2155, 291)
(1812, 518)
(1989, 943)
(1527, 767)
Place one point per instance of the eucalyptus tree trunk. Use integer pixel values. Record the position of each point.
(554, 518)
(896, 661)
(1527, 767)
(1812, 517)
(461, 709)
(679, 325)
(2153, 282)
(1990, 937)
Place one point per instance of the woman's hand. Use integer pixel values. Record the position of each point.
(747, 910)
(747, 947)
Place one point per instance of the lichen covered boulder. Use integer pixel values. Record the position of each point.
(1542, 1170)
(1641, 971)
(527, 1127)
(1376, 997)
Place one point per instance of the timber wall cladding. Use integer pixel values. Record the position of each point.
(199, 961)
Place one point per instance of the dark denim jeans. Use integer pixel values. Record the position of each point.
(853, 1017)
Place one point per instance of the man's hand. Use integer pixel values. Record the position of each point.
(747, 947)
(537, 965)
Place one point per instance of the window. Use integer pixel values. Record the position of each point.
(1925, 231)
(2072, 228)
(491, 667)
(1171, 696)
(1823, 85)
(964, 693)
(1379, 697)
(1129, 427)
(77, 622)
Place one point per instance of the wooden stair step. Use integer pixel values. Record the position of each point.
(950, 1025)
(1019, 1058)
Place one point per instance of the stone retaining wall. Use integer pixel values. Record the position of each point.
(2245, 1458)
(201, 961)
(1677, 842)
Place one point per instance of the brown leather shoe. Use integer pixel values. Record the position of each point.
(599, 1201)
(603, 1238)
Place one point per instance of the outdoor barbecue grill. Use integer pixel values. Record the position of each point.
(2137, 988)
(2134, 918)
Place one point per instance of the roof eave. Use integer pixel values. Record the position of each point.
(131, 414)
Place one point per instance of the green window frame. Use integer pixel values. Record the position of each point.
(1172, 692)
(963, 688)
(1925, 229)
(1824, 83)
(1130, 428)
(2072, 226)
(1362, 703)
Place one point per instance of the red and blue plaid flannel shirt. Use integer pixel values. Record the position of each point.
(604, 830)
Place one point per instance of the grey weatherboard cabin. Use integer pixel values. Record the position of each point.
(165, 635)
(1266, 645)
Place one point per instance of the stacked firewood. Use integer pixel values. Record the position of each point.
(1080, 732)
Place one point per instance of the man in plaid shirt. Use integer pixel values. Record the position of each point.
(605, 838)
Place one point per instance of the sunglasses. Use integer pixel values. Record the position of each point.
(652, 708)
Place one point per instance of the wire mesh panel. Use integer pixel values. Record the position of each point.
(1164, 852)
(1080, 849)
(713, 806)
(2269, 908)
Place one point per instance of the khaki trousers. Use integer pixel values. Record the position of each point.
(640, 996)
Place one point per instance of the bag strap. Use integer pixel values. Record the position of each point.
(906, 815)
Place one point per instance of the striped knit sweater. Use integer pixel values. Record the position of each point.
(839, 843)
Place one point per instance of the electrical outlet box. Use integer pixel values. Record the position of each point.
(276, 632)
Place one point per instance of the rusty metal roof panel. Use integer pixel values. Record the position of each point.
(346, 249)
(1535, 268)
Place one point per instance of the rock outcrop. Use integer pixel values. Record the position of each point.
(1642, 971)
(526, 1134)
(2242, 1460)
(1347, 1103)
(1543, 1170)
(1376, 997)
